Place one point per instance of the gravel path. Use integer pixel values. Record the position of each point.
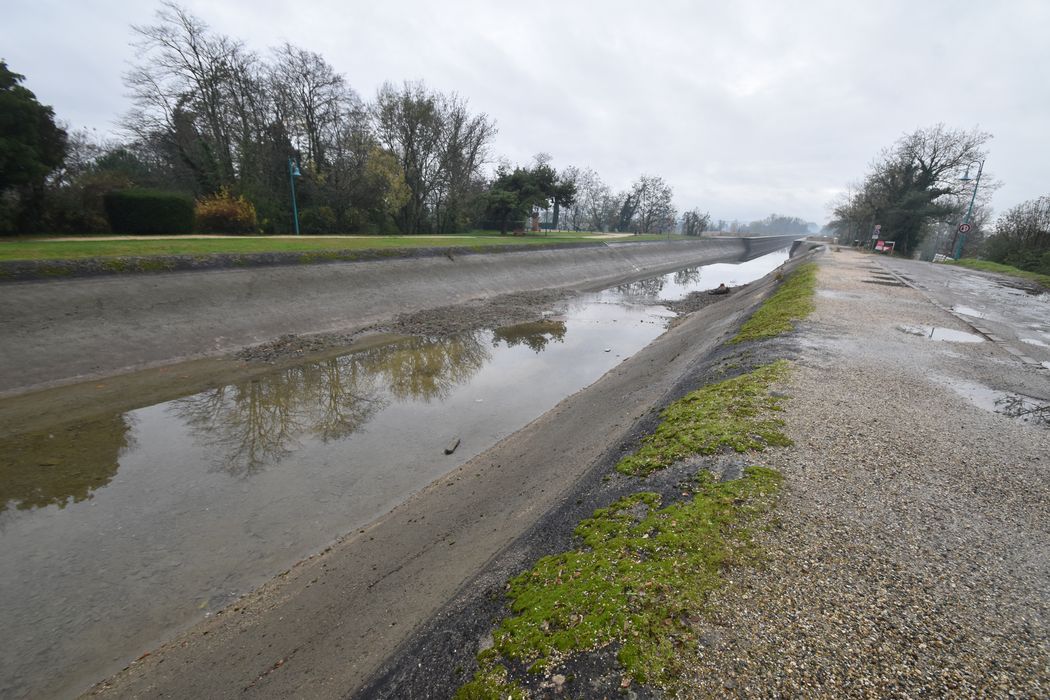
(909, 557)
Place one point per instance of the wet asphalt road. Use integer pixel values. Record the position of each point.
(1014, 313)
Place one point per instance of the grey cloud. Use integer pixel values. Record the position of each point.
(744, 108)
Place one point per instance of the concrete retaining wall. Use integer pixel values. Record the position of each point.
(54, 332)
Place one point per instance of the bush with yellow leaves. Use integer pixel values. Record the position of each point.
(223, 213)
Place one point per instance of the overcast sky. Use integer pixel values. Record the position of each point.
(745, 108)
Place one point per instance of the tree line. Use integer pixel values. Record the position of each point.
(223, 124)
(919, 190)
(229, 130)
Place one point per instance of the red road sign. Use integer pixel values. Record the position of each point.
(965, 228)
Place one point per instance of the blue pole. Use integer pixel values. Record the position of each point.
(293, 171)
(957, 253)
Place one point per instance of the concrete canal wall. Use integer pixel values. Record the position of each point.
(54, 332)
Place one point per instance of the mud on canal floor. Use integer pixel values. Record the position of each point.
(120, 528)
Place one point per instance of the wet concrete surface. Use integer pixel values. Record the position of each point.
(949, 335)
(1010, 312)
(121, 528)
(1025, 409)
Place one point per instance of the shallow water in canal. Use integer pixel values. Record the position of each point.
(117, 531)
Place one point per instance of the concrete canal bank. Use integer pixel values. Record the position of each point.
(58, 331)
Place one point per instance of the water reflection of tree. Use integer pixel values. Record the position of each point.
(687, 276)
(642, 288)
(61, 465)
(259, 422)
(534, 335)
(1027, 409)
(429, 369)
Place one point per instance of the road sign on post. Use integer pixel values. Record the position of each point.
(965, 228)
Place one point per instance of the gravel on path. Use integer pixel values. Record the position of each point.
(909, 556)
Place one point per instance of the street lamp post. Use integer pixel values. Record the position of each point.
(964, 227)
(293, 172)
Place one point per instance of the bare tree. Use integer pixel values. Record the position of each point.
(655, 210)
(465, 142)
(694, 222)
(595, 200)
(184, 87)
(574, 212)
(311, 100)
(408, 123)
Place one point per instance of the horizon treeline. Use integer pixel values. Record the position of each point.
(231, 128)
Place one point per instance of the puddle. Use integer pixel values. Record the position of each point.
(535, 335)
(1031, 289)
(118, 530)
(1025, 409)
(678, 285)
(967, 311)
(943, 334)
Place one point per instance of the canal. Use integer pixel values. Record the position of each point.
(119, 530)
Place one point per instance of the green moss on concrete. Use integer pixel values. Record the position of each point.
(735, 413)
(54, 271)
(115, 264)
(155, 265)
(792, 302)
(490, 683)
(642, 572)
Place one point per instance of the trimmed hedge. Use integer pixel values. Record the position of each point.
(149, 212)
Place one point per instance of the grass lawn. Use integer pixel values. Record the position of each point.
(55, 248)
(988, 266)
